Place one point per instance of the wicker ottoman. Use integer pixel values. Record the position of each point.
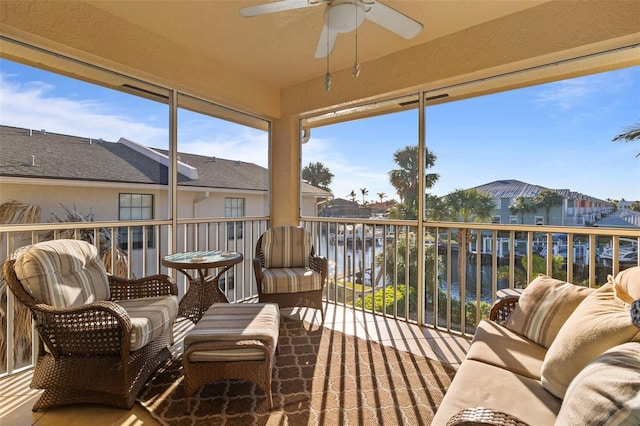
(232, 342)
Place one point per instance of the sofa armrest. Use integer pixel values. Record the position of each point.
(477, 416)
(502, 308)
(151, 286)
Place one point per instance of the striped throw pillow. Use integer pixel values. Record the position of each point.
(606, 391)
(543, 308)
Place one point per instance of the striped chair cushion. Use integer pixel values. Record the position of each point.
(286, 247)
(63, 273)
(606, 391)
(290, 280)
(543, 308)
(150, 317)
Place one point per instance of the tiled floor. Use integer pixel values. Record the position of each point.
(16, 398)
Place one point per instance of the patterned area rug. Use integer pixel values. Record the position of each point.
(321, 377)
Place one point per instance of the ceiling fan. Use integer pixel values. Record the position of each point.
(343, 16)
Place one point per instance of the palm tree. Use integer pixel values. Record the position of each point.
(631, 133)
(352, 195)
(317, 174)
(364, 191)
(547, 199)
(468, 205)
(381, 195)
(521, 206)
(405, 179)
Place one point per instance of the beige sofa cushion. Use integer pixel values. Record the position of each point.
(496, 345)
(477, 384)
(543, 308)
(63, 273)
(600, 322)
(606, 391)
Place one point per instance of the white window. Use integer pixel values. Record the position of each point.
(496, 219)
(234, 207)
(538, 220)
(135, 207)
(513, 220)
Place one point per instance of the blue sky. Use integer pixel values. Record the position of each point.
(556, 135)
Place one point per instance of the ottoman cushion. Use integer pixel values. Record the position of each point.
(237, 321)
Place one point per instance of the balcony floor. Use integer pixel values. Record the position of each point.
(17, 398)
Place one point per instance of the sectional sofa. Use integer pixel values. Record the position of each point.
(557, 353)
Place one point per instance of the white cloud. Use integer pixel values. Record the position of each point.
(33, 105)
(348, 173)
(243, 144)
(566, 94)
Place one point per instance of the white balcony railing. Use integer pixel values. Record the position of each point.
(373, 264)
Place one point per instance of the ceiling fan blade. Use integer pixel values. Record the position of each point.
(277, 6)
(393, 20)
(322, 51)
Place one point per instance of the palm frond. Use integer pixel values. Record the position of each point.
(631, 133)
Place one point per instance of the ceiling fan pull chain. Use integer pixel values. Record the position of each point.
(327, 76)
(356, 65)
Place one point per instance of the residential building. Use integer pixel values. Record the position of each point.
(576, 209)
(339, 207)
(123, 181)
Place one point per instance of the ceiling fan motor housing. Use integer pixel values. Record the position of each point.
(344, 16)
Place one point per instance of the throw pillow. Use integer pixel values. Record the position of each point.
(606, 391)
(543, 308)
(600, 322)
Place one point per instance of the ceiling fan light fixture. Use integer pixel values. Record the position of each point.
(344, 17)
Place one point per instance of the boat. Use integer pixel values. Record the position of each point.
(627, 253)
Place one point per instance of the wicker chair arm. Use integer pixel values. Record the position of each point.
(257, 267)
(484, 416)
(502, 308)
(96, 329)
(319, 264)
(151, 286)
(635, 313)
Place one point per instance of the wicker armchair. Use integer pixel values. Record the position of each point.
(102, 336)
(287, 270)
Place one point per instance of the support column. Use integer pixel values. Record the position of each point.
(284, 186)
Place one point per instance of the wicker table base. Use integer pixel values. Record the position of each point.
(199, 297)
(203, 288)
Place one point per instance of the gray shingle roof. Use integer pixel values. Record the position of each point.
(59, 156)
(68, 157)
(510, 188)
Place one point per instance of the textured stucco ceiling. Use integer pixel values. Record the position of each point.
(265, 65)
(279, 48)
